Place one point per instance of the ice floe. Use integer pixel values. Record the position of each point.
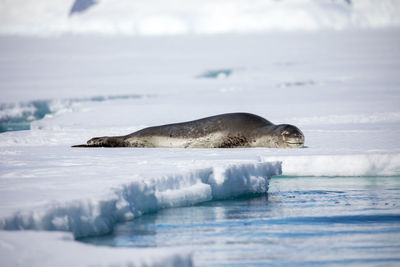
(98, 214)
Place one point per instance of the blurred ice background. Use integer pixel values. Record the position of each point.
(157, 17)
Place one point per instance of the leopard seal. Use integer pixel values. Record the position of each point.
(220, 131)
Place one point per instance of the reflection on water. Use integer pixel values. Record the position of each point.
(302, 221)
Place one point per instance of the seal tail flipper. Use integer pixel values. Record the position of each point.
(81, 146)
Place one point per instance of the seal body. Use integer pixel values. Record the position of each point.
(220, 131)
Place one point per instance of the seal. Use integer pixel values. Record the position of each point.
(221, 131)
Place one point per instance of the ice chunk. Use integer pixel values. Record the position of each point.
(97, 215)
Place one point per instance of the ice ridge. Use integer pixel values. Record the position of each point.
(18, 116)
(340, 165)
(98, 216)
(14, 117)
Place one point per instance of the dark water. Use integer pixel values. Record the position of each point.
(214, 74)
(301, 221)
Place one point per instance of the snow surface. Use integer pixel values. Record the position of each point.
(340, 88)
(28, 248)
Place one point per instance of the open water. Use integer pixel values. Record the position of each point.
(301, 221)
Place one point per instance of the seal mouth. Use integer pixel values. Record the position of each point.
(294, 144)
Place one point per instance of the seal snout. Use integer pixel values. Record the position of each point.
(292, 136)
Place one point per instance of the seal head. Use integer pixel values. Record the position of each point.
(288, 136)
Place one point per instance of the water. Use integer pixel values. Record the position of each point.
(301, 221)
(216, 74)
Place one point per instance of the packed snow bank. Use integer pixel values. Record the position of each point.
(49, 249)
(97, 215)
(340, 165)
(376, 117)
(187, 17)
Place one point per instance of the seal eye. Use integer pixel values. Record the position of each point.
(285, 133)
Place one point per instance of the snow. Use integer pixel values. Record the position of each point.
(28, 248)
(341, 88)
